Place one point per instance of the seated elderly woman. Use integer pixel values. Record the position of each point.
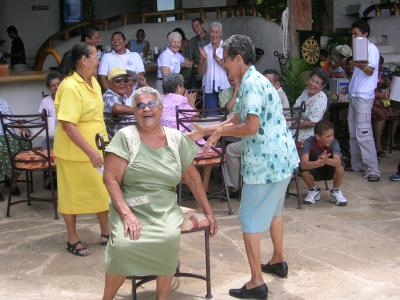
(175, 95)
(170, 60)
(144, 163)
(316, 102)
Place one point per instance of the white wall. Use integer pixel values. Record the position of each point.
(109, 8)
(340, 20)
(34, 27)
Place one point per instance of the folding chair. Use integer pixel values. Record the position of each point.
(193, 222)
(28, 158)
(216, 157)
(293, 121)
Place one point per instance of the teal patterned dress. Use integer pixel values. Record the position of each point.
(270, 155)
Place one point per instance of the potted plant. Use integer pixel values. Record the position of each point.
(294, 78)
(395, 86)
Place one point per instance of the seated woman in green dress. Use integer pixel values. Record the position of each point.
(144, 163)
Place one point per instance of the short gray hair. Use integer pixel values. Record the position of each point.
(174, 35)
(242, 45)
(171, 82)
(216, 24)
(322, 74)
(146, 90)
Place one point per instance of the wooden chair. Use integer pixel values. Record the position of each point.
(293, 121)
(216, 157)
(25, 130)
(193, 222)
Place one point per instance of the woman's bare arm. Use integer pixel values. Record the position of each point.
(192, 179)
(114, 169)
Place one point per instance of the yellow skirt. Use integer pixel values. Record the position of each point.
(80, 188)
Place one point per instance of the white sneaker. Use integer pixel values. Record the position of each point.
(338, 198)
(312, 196)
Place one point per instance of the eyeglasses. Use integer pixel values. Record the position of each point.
(121, 80)
(225, 59)
(151, 104)
(316, 82)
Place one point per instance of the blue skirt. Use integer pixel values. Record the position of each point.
(260, 203)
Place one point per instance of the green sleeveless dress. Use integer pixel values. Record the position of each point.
(153, 176)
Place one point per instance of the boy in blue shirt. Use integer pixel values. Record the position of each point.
(322, 160)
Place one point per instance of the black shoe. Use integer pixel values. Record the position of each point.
(259, 292)
(280, 269)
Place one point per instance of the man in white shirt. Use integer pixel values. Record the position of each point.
(119, 57)
(362, 94)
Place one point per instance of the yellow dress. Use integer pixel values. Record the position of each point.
(80, 186)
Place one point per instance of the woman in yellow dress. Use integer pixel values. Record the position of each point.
(79, 108)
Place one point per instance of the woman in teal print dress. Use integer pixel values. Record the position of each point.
(144, 163)
(268, 159)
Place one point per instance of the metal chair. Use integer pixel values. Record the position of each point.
(115, 122)
(24, 130)
(282, 59)
(293, 121)
(216, 157)
(190, 225)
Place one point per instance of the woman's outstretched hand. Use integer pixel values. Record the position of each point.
(212, 140)
(213, 224)
(197, 133)
(132, 226)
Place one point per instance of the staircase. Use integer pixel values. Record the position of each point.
(48, 47)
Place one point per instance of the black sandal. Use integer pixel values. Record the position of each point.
(373, 178)
(75, 251)
(104, 239)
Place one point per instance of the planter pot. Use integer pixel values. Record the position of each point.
(395, 89)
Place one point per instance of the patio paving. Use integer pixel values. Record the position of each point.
(350, 252)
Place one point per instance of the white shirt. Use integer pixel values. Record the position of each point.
(362, 85)
(171, 60)
(47, 103)
(283, 97)
(214, 79)
(128, 61)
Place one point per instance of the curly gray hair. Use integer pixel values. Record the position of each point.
(171, 82)
(242, 45)
(146, 90)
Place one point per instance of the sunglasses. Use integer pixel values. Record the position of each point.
(121, 80)
(151, 104)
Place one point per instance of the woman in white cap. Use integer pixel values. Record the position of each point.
(170, 60)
